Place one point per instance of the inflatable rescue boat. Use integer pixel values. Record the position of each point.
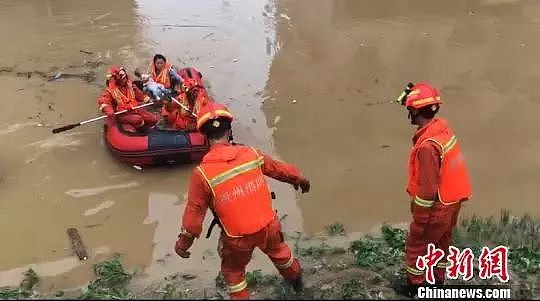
(156, 147)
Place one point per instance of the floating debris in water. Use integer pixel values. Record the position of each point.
(284, 16)
(207, 35)
(294, 101)
(137, 167)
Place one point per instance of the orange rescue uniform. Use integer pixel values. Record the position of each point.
(438, 183)
(163, 77)
(230, 180)
(179, 117)
(117, 98)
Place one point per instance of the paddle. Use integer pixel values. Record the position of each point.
(74, 125)
(167, 95)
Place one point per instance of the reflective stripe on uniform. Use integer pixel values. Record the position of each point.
(423, 203)
(448, 146)
(414, 271)
(251, 165)
(119, 96)
(238, 287)
(285, 265)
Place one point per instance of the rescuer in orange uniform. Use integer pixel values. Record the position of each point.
(121, 94)
(230, 180)
(193, 95)
(437, 184)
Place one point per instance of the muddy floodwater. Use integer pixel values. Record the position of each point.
(308, 81)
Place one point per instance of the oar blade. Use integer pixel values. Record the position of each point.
(65, 128)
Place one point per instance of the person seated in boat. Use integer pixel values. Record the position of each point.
(164, 73)
(121, 94)
(194, 96)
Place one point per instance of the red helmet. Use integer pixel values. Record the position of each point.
(212, 112)
(422, 95)
(116, 72)
(191, 83)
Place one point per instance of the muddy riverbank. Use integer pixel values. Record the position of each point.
(308, 82)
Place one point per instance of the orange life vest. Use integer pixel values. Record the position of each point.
(241, 197)
(454, 184)
(123, 101)
(163, 77)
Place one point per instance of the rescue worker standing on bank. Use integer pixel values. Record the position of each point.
(230, 181)
(438, 182)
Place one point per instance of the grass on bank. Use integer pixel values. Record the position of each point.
(382, 254)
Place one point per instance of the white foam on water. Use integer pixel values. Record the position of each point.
(98, 208)
(81, 193)
(14, 127)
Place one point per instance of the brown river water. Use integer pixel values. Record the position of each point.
(309, 82)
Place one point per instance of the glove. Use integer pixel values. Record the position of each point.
(304, 185)
(109, 112)
(182, 245)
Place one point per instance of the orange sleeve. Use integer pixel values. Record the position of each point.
(280, 171)
(105, 102)
(199, 196)
(428, 171)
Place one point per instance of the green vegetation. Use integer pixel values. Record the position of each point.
(110, 283)
(335, 229)
(25, 288)
(380, 252)
(365, 270)
(319, 251)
